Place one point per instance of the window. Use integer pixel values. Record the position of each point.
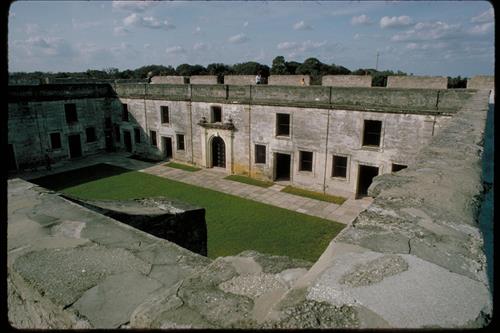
(397, 167)
(70, 111)
(260, 154)
(152, 134)
(305, 160)
(107, 122)
(90, 132)
(125, 112)
(137, 135)
(55, 140)
(339, 166)
(283, 124)
(117, 133)
(165, 119)
(180, 141)
(216, 114)
(371, 134)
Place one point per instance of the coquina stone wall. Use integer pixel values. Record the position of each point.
(239, 79)
(481, 82)
(169, 79)
(203, 79)
(423, 82)
(347, 80)
(289, 80)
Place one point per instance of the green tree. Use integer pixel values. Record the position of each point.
(251, 68)
(279, 66)
(220, 70)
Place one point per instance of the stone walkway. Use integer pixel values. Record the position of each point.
(214, 179)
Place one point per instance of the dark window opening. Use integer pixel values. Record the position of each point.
(165, 119)
(260, 154)
(305, 160)
(152, 134)
(55, 140)
(90, 132)
(371, 134)
(339, 166)
(180, 141)
(70, 111)
(397, 167)
(282, 124)
(125, 112)
(137, 135)
(107, 122)
(216, 114)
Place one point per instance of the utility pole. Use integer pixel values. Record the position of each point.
(376, 64)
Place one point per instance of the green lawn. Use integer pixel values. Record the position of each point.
(234, 224)
(314, 195)
(248, 180)
(182, 166)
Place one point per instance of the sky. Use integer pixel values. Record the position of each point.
(447, 38)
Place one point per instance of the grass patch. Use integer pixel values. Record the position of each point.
(248, 180)
(234, 224)
(314, 195)
(182, 167)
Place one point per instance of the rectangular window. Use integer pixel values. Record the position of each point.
(70, 111)
(165, 119)
(305, 161)
(339, 166)
(125, 112)
(107, 122)
(152, 134)
(260, 154)
(55, 140)
(90, 132)
(137, 135)
(117, 133)
(283, 124)
(397, 167)
(180, 141)
(371, 134)
(216, 114)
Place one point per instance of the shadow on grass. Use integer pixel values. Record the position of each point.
(62, 180)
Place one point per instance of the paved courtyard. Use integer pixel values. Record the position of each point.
(214, 179)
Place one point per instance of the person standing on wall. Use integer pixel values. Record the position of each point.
(258, 78)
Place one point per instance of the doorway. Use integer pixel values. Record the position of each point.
(283, 163)
(127, 140)
(12, 158)
(167, 147)
(218, 152)
(365, 177)
(75, 146)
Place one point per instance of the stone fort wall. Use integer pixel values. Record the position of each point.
(424, 82)
(347, 80)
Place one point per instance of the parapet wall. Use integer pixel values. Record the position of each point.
(289, 80)
(481, 82)
(422, 82)
(203, 79)
(169, 79)
(418, 246)
(239, 79)
(347, 80)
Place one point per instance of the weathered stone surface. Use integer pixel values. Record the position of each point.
(374, 271)
(426, 82)
(347, 80)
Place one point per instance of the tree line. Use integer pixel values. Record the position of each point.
(311, 66)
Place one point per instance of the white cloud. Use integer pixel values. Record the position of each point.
(175, 50)
(120, 31)
(301, 25)
(287, 45)
(197, 31)
(424, 31)
(484, 17)
(395, 21)
(361, 20)
(32, 28)
(45, 46)
(239, 38)
(134, 6)
(84, 25)
(135, 19)
(481, 29)
(356, 36)
(245, 24)
(305, 46)
(200, 46)
(147, 46)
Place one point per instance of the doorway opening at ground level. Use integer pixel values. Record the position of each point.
(12, 158)
(218, 152)
(283, 166)
(167, 147)
(127, 140)
(365, 177)
(75, 146)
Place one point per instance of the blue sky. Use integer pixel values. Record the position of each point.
(447, 38)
